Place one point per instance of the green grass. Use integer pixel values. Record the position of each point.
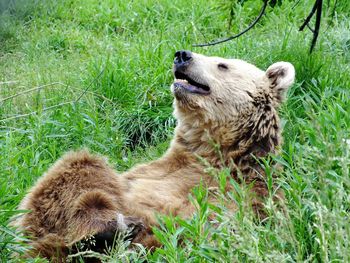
(112, 60)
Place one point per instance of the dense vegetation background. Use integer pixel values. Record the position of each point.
(96, 74)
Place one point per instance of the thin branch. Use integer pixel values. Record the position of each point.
(310, 28)
(262, 11)
(317, 24)
(317, 8)
(94, 94)
(8, 82)
(54, 106)
(34, 112)
(92, 82)
(29, 90)
(308, 18)
(61, 84)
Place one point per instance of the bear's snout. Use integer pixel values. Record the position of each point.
(182, 59)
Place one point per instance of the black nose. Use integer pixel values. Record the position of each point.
(182, 56)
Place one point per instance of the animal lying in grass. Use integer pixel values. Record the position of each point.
(227, 102)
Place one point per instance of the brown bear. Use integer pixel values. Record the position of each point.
(227, 102)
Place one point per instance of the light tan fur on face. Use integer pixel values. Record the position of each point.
(81, 195)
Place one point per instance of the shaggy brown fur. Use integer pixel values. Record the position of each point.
(233, 106)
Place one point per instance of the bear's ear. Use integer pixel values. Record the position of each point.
(280, 76)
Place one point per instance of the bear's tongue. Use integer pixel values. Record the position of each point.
(187, 83)
(181, 83)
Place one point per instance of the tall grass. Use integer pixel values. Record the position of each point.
(112, 61)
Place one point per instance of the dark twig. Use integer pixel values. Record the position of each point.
(262, 11)
(311, 29)
(308, 18)
(317, 8)
(317, 24)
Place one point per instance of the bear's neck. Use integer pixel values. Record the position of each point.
(237, 142)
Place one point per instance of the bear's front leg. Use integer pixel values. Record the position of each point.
(79, 196)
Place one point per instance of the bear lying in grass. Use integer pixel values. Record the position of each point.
(227, 102)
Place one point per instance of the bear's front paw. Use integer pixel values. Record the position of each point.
(134, 226)
(129, 225)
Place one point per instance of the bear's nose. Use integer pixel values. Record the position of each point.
(182, 56)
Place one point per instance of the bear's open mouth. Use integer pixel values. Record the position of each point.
(185, 82)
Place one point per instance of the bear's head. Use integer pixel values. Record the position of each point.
(229, 101)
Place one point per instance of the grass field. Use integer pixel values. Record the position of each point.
(96, 74)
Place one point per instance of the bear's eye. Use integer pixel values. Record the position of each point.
(222, 66)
